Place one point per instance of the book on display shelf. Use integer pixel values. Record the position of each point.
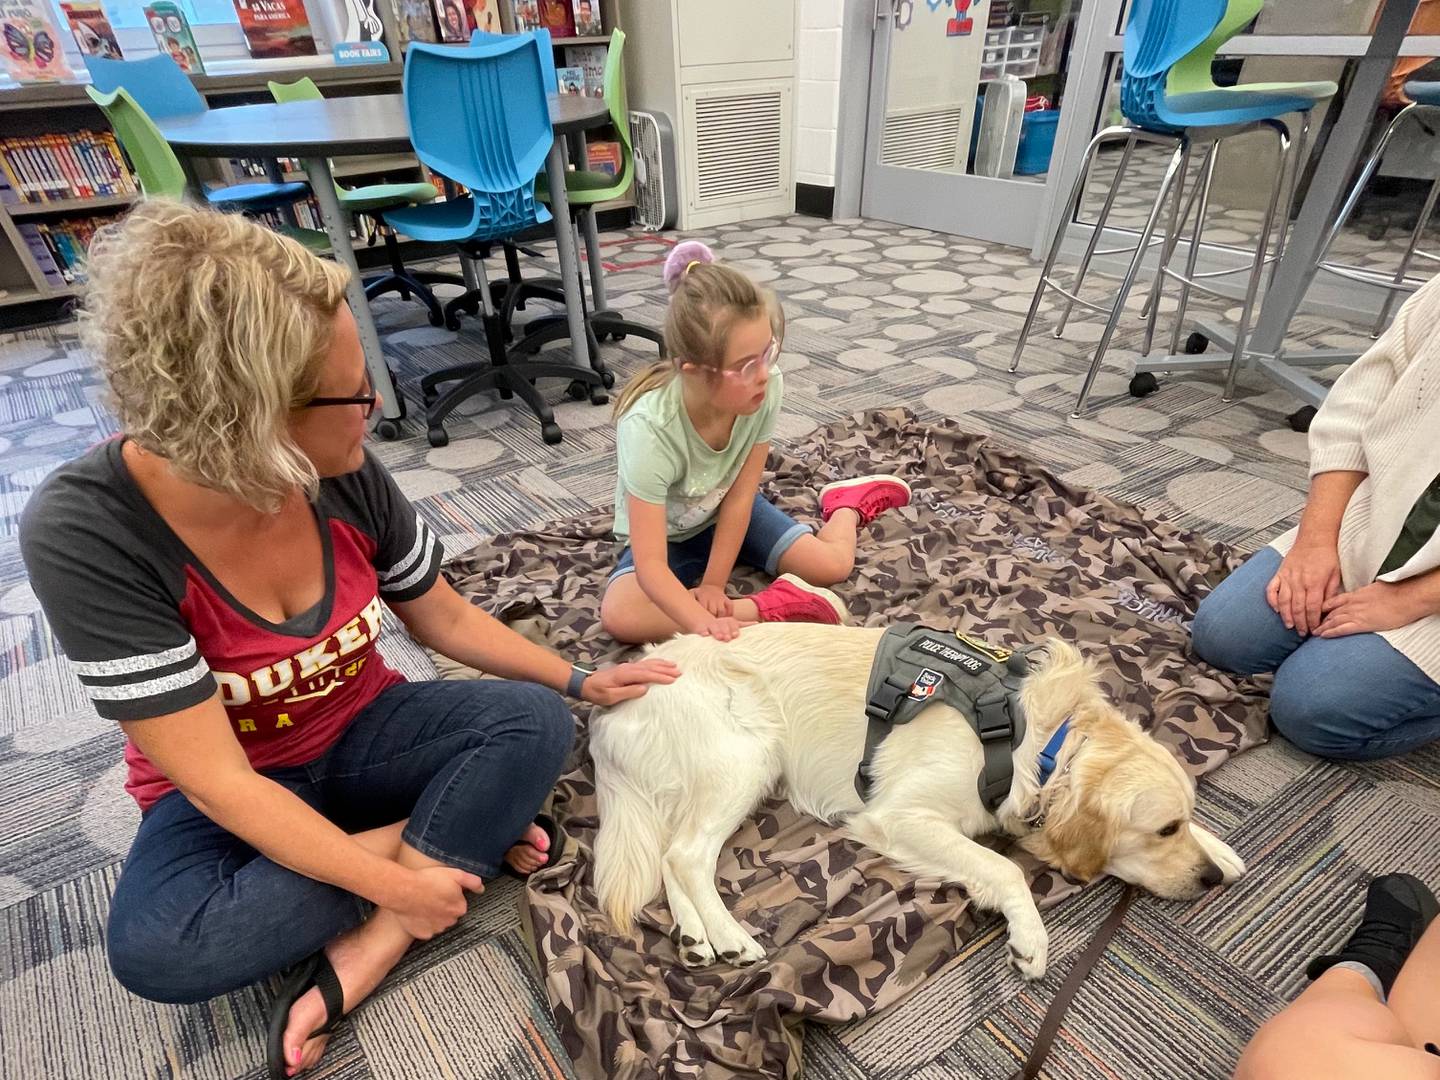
(591, 60)
(525, 14)
(485, 15)
(557, 17)
(275, 28)
(173, 37)
(587, 18)
(34, 52)
(94, 35)
(571, 80)
(415, 20)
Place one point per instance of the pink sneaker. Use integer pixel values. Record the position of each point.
(868, 496)
(788, 599)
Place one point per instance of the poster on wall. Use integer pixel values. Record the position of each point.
(275, 28)
(93, 33)
(33, 49)
(173, 36)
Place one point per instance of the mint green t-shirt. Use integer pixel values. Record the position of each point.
(662, 460)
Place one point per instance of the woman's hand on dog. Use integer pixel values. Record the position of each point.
(713, 599)
(1307, 579)
(622, 682)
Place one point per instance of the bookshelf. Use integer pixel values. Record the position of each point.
(27, 298)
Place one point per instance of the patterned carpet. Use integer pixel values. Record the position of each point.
(878, 315)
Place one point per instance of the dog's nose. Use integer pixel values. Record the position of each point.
(1211, 876)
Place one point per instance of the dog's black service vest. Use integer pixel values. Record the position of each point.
(915, 666)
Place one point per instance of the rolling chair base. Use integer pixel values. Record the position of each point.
(510, 379)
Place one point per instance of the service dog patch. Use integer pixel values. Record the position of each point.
(951, 655)
(926, 684)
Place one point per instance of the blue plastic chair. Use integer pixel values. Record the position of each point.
(479, 116)
(547, 52)
(1159, 35)
(161, 90)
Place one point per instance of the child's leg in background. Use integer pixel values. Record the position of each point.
(828, 557)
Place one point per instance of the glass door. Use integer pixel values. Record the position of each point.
(970, 102)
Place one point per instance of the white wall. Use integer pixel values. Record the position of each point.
(818, 105)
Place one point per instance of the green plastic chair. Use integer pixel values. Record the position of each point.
(162, 177)
(372, 200)
(586, 189)
(1192, 75)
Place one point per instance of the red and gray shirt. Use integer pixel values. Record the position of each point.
(150, 631)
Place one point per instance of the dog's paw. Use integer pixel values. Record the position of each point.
(1027, 950)
(1221, 854)
(734, 946)
(694, 951)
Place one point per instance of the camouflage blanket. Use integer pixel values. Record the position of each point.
(993, 545)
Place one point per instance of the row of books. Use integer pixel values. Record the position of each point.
(455, 20)
(76, 165)
(58, 247)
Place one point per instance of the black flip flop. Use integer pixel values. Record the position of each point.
(312, 971)
(546, 822)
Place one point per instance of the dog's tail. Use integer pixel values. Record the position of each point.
(627, 847)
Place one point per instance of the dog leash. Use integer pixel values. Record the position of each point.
(1082, 967)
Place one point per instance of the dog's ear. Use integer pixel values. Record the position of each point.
(1076, 839)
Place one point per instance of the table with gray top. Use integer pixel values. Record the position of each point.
(315, 131)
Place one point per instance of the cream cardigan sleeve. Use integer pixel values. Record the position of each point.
(1335, 433)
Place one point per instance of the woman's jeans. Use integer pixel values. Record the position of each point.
(1354, 697)
(198, 912)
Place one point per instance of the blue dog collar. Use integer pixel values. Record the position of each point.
(1052, 749)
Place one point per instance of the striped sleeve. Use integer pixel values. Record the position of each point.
(408, 554)
(124, 635)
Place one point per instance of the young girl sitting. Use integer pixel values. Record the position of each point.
(694, 432)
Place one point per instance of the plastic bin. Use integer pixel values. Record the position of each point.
(993, 56)
(997, 38)
(1022, 69)
(991, 72)
(1025, 35)
(1037, 142)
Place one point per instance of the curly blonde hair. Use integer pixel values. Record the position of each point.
(210, 329)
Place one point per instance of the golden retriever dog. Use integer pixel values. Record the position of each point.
(781, 709)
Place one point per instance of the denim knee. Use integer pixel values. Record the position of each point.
(1222, 640)
(149, 958)
(1313, 724)
(546, 718)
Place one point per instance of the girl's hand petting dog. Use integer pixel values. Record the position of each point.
(724, 628)
(713, 599)
(625, 681)
(1381, 605)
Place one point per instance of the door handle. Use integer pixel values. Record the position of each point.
(899, 12)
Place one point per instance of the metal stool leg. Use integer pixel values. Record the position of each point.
(1423, 220)
(1095, 233)
(1151, 310)
(1358, 188)
(1072, 204)
(1287, 203)
(1242, 328)
(1129, 279)
(1202, 208)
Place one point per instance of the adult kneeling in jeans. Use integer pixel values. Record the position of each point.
(1345, 610)
(217, 575)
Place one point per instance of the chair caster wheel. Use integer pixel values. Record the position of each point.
(577, 390)
(607, 377)
(1143, 384)
(389, 430)
(437, 318)
(452, 322)
(598, 396)
(1196, 344)
(1299, 420)
(438, 437)
(551, 433)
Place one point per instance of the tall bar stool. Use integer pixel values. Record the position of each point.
(1424, 101)
(1160, 34)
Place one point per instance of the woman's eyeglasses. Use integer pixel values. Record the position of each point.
(366, 401)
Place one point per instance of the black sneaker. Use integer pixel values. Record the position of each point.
(1398, 908)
